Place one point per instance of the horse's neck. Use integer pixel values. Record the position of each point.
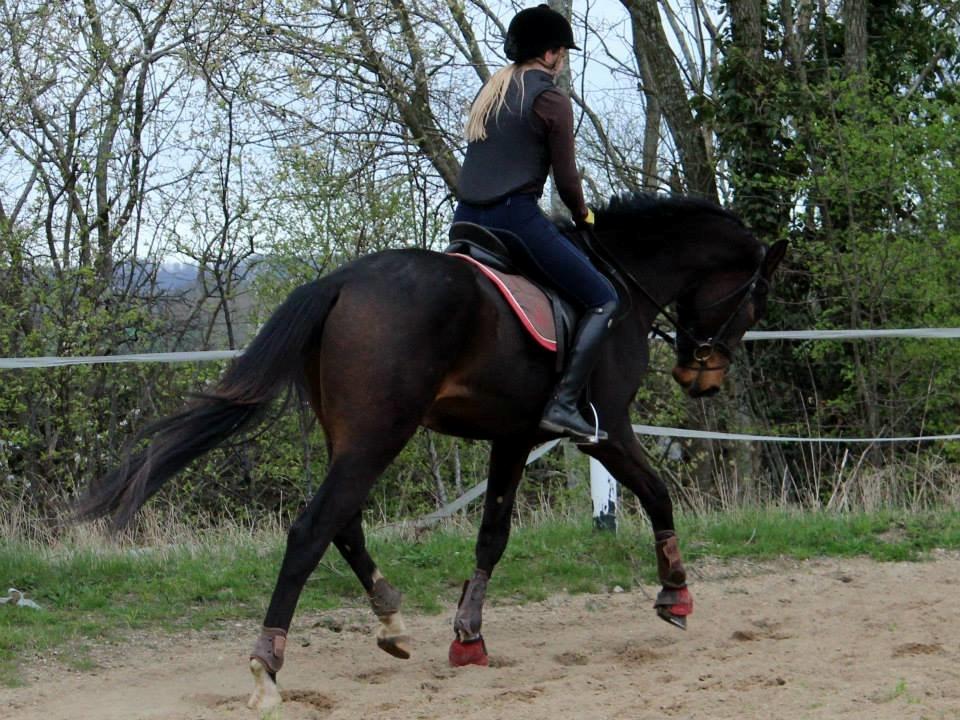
(657, 278)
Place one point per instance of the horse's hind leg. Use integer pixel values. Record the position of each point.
(507, 461)
(623, 456)
(392, 636)
(351, 475)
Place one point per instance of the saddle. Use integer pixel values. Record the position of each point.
(501, 257)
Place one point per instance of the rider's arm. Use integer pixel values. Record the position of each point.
(556, 112)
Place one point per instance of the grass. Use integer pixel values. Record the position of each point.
(94, 590)
(801, 535)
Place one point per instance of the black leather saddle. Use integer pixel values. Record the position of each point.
(487, 245)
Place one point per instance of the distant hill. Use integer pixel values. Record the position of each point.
(174, 276)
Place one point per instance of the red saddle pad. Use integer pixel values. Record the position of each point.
(529, 303)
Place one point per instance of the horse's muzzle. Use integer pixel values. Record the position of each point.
(698, 392)
(701, 381)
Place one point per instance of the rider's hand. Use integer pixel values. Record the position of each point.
(586, 221)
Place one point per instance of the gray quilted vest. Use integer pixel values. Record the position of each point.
(514, 155)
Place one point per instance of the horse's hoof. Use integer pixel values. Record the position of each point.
(674, 606)
(678, 621)
(471, 652)
(396, 645)
(266, 696)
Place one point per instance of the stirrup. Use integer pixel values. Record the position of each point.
(580, 437)
(598, 434)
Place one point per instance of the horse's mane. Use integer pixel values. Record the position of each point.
(650, 208)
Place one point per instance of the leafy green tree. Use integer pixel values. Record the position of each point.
(842, 138)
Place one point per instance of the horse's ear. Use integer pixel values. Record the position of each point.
(773, 257)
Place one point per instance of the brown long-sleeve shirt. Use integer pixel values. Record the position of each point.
(555, 111)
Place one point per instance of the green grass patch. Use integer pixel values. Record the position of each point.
(90, 595)
(801, 535)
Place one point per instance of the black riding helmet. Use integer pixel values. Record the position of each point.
(534, 31)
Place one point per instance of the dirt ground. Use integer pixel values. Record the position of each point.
(819, 639)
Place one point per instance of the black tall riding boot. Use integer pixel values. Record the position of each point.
(561, 414)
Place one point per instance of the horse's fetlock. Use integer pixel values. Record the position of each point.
(265, 697)
(270, 647)
(469, 617)
(384, 598)
(670, 567)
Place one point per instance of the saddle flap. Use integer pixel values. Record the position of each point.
(542, 312)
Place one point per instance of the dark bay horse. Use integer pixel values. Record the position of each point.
(409, 338)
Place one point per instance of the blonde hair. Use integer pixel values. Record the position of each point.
(489, 101)
(493, 95)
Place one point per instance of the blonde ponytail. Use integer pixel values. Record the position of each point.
(490, 100)
(493, 95)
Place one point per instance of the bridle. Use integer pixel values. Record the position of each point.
(703, 348)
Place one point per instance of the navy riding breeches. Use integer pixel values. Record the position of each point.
(562, 264)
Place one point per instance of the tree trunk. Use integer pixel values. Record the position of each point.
(747, 28)
(411, 99)
(436, 471)
(855, 37)
(651, 131)
(666, 86)
(752, 123)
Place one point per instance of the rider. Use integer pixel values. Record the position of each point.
(519, 127)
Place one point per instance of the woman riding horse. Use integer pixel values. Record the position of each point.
(452, 357)
(520, 126)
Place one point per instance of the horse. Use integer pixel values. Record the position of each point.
(406, 338)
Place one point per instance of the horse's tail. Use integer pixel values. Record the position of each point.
(240, 400)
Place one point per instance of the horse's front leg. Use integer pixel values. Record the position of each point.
(623, 456)
(507, 461)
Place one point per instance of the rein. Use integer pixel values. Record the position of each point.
(704, 348)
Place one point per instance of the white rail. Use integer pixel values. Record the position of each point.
(207, 355)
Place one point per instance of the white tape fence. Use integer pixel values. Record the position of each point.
(603, 485)
(669, 432)
(208, 355)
